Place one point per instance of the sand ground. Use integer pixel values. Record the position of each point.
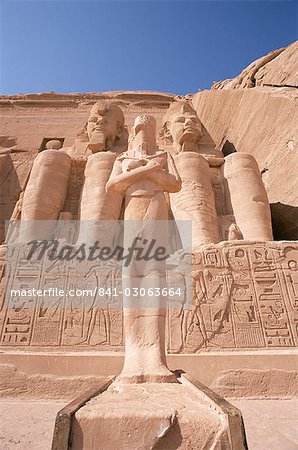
(270, 424)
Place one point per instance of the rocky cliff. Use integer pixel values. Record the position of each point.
(256, 112)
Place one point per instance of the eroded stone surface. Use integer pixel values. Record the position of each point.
(248, 197)
(282, 71)
(159, 416)
(108, 181)
(277, 69)
(244, 293)
(19, 385)
(257, 384)
(244, 297)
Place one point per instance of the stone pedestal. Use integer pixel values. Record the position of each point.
(184, 415)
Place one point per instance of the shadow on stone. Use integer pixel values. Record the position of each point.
(284, 221)
(228, 148)
(9, 192)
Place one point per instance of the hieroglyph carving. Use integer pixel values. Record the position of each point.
(245, 296)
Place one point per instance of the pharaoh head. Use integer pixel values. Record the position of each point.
(105, 125)
(182, 126)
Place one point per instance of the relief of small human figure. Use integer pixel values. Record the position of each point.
(104, 322)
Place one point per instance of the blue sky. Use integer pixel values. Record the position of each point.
(169, 46)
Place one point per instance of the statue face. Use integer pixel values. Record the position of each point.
(104, 126)
(185, 127)
(102, 122)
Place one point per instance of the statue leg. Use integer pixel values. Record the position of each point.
(45, 194)
(248, 197)
(145, 315)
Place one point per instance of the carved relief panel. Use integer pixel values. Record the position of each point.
(244, 296)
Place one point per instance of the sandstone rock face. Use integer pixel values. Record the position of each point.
(279, 68)
(17, 384)
(257, 113)
(244, 293)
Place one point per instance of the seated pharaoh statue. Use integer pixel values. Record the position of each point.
(195, 201)
(107, 138)
(241, 185)
(96, 148)
(209, 182)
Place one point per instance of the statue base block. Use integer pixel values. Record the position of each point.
(184, 415)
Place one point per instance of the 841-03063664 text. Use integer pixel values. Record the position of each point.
(141, 292)
(100, 292)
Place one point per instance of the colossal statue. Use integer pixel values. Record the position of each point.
(232, 306)
(46, 192)
(240, 178)
(195, 200)
(143, 175)
(143, 160)
(105, 130)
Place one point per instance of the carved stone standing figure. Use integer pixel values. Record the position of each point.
(142, 175)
